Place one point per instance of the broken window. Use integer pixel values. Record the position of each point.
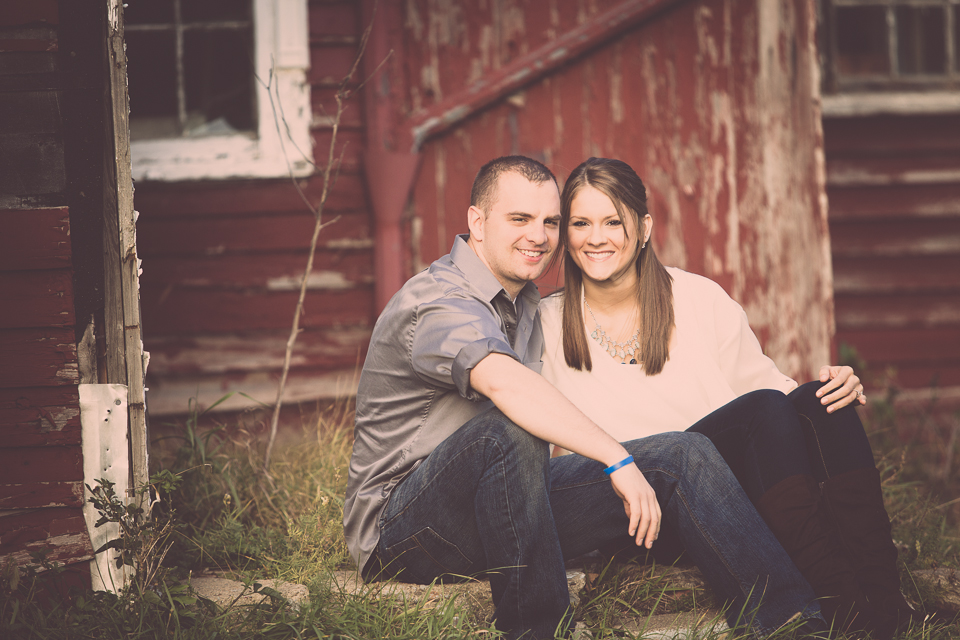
(218, 88)
(890, 45)
(190, 65)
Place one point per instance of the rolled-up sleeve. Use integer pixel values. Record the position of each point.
(450, 337)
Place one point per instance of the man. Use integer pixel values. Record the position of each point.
(451, 471)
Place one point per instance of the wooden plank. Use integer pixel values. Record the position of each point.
(889, 311)
(912, 169)
(29, 70)
(933, 345)
(903, 236)
(882, 274)
(179, 310)
(330, 63)
(36, 239)
(36, 298)
(321, 348)
(347, 150)
(62, 531)
(333, 18)
(172, 396)
(46, 40)
(19, 13)
(892, 135)
(919, 356)
(930, 377)
(274, 272)
(324, 108)
(41, 464)
(39, 416)
(121, 270)
(160, 235)
(869, 202)
(250, 196)
(31, 163)
(31, 495)
(38, 357)
(30, 112)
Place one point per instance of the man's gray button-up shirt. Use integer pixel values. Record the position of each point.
(415, 388)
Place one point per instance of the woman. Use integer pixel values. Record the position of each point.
(643, 349)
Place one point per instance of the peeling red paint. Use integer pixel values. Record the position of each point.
(710, 101)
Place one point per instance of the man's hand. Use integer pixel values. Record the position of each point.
(639, 502)
(842, 387)
(536, 406)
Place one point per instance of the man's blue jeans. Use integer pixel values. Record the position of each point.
(490, 498)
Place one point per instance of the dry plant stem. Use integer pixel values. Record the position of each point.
(342, 94)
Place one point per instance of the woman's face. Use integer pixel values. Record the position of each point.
(604, 248)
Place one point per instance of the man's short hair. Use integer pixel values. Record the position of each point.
(484, 192)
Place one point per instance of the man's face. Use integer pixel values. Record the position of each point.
(517, 235)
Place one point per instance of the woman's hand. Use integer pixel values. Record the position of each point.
(842, 387)
(639, 502)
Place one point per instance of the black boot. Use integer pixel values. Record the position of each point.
(855, 503)
(794, 511)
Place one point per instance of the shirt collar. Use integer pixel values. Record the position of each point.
(477, 273)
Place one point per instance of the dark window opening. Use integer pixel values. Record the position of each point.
(890, 45)
(190, 68)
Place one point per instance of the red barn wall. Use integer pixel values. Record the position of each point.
(41, 464)
(894, 188)
(714, 103)
(222, 262)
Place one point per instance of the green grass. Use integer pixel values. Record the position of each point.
(227, 516)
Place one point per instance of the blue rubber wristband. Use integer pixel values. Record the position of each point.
(622, 463)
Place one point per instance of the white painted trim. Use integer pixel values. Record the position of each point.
(283, 143)
(847, 105)
(103, 428)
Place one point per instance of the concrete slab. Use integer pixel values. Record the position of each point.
(228, 593)
(473, 595)
(679, 626)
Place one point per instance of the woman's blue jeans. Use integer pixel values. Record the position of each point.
(490, 499)
(766, 437)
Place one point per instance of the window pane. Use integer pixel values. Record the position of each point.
(862, 44)
(147, 11)
(921, 46)
(218, 76)
(213, 10)
(151, 66)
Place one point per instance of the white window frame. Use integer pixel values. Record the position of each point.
(282, 144)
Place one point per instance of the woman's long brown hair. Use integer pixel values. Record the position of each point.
(619, 182)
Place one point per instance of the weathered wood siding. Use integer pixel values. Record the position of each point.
(714, 103)
(222, 262)
(41, 465)
(894, 187)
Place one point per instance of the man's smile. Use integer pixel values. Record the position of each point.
(531, 253)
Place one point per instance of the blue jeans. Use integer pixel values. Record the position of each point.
(490, 499)
(766, 437)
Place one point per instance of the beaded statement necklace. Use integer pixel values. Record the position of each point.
(626, 352)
